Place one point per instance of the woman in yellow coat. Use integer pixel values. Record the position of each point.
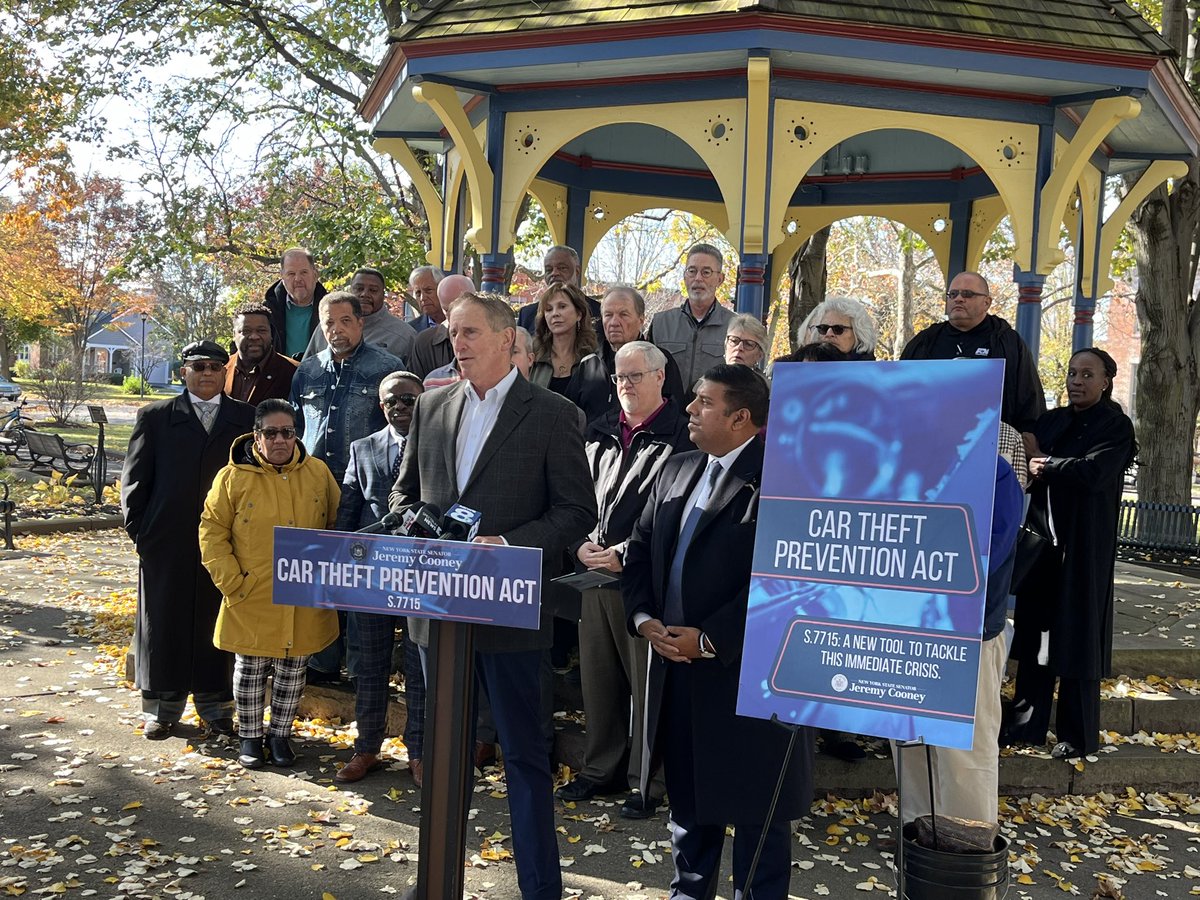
(269, 481)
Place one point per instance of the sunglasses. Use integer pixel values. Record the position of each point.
(271, 433)
(206, 366)
(838, 330)
(406, 399)
(965, 294)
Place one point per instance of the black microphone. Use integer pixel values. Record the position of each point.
(384, 526)
(460, 524)
(425, 523)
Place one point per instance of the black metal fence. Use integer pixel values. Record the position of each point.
(1159, 526)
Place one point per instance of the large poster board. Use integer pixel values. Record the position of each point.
(870, 566)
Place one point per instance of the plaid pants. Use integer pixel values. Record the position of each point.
(250, 689)
(372, 637)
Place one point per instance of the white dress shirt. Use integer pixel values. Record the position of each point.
(478, 419)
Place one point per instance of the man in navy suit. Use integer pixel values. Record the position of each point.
(685, 585)
(370, 474)
(512, 451)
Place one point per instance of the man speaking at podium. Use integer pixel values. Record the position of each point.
(513, 452)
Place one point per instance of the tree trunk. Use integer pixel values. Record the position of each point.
(906, 286)
(1167, 397)
(809, 278)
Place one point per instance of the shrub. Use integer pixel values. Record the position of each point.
(133, 384)
(22, 369)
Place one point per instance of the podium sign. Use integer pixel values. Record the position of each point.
(870, 560)
(481, 584)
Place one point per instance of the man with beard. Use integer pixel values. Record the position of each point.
(293, 301)
(256, 372)
(380, 327)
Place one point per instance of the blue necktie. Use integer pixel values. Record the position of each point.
(396, 464)
(673, 605)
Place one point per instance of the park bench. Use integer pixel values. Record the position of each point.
(51, 450)
(1159, 526)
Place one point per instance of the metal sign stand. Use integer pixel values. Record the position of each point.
(100, 462)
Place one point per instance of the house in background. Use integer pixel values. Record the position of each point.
(114, 348)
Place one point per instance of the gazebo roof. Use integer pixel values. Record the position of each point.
(1104, 25)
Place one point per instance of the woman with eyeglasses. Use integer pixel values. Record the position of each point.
(270, 480)
(746, 342)
(844, 322)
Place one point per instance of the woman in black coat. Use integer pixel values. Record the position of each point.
(1064, 615)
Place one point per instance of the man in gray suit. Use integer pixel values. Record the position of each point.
(374, 464)
(513, 452)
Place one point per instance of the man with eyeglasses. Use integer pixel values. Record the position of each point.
(625, 448)
(970, 331)
(694, 332)
(176, 450)
(370, 475)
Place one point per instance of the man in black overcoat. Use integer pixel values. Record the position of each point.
(685, 586)
(176, 449)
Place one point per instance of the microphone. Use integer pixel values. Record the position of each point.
(384, 526)
(425, 521)
(460, 523)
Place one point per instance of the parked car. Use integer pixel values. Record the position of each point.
(8, 390)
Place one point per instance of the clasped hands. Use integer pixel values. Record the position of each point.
(676, 643)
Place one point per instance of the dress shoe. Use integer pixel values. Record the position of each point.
(845, 750)
(281, 752)
(222, 728)
(315, 676)
(157, 730)
(360, 766)
(579, 788)
(417, 770)
(485, 754)
(638, 806)
(253, 755)
(1065, 750)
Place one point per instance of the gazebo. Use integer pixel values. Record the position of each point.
(773, 119)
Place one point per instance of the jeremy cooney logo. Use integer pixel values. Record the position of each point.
(839, 682)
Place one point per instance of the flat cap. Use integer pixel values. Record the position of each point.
(204, 350)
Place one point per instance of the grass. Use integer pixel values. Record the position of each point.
(96, 392)
(116, 437)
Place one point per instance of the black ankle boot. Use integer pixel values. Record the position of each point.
(253, 755)
(281, 752)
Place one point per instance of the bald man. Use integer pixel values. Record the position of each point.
(432, 350)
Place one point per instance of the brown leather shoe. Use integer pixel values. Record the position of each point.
(359, 767)
(417, 771)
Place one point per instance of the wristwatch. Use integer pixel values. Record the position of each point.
(706, 647)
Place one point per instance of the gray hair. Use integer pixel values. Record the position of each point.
(563, 248)
(437, 273)
(749, 324)
(654, 357)
(346, 297)
(866, 335)
(630, 292)
(523, 333)
(708, 249)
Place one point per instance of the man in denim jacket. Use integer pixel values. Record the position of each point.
(336, 392)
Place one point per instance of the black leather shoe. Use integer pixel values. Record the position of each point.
(253, 755)
(579, 788)
(222, 728)
(281, 751)
(157, 730)
(638, 806)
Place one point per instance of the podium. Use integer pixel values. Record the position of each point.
(458, 586)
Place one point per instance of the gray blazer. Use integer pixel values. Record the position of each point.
(367, 482)
(531, 484)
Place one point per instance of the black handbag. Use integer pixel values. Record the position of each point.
(1036, 539)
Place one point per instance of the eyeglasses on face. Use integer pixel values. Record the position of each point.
(838, 330)
(271, 434)
(406, 399)
(706, 272)
(631, 377)
(965, 294)
(734, 341)
(206, 366)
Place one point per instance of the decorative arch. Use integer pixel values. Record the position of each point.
(615, 208)
(714, 129)
(986, 214)
(455, 174)
(1158, 172)
(1006, 152)
(920, 217)
(553, 200)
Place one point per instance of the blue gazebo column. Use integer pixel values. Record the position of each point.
(1085, 311)
(750, 285)
(494, 267)
(1029, 308)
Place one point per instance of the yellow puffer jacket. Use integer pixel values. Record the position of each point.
(248, 498)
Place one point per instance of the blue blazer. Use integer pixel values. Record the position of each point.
(367, 482)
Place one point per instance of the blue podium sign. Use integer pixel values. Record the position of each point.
(483, 584)
(870, 563)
